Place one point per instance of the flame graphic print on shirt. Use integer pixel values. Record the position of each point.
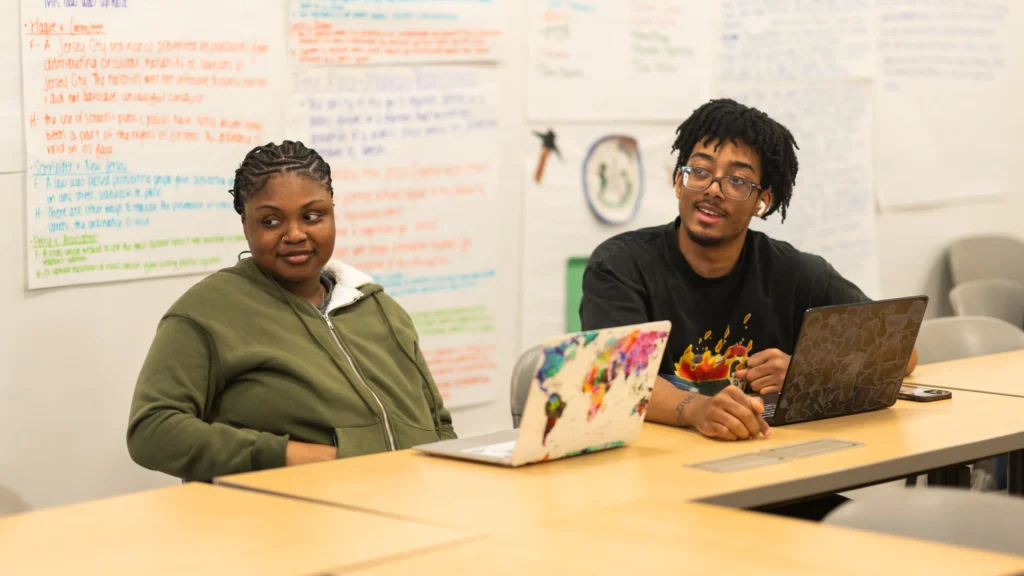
(709, 369)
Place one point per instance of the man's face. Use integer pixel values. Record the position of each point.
(717, 216)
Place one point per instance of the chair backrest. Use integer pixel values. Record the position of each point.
(986, 257)
(11, 503)
(522, 376)
(958, 337)
(982, 520)
(995, 298)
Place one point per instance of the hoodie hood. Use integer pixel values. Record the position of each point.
(350, 284)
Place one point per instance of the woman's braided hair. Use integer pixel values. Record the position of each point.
(265, 162)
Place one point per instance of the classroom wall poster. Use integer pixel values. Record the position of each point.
(795, 40)
(136, 115)
(607, 61)
(944, 84)
(413, 154)
(324, 32)
(832, 211)
(809, 66)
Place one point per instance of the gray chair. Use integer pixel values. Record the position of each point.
(986, 257)
(995, 298)
(11, 502)
(959, 337)
(522, 375)
(959, 517)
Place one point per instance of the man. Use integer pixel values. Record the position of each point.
(736, 297)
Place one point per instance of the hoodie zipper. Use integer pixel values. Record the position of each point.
(387, 425)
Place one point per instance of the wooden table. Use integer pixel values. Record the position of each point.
(648, 537)
(898, 442)
(203, 529)
(993, 374)
(997, 374)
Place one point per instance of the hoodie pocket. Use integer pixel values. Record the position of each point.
(410, 436)
(361, 440)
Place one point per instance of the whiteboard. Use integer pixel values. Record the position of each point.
(134, 115)
(601, 60)
(414, 159)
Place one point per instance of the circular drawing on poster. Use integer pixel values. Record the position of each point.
(613, 179)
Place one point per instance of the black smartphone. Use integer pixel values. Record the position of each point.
(918, 394)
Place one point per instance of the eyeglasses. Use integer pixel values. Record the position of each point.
(732, 187)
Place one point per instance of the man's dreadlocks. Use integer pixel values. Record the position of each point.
(724, 120)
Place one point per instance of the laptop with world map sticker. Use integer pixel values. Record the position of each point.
(589, 392)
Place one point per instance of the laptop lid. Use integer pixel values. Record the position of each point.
(849, 359)
(590, 391)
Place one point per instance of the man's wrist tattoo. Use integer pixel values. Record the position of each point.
(681, 409)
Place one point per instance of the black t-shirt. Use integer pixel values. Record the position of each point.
(717, 323)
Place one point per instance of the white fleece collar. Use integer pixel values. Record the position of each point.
(347, 282)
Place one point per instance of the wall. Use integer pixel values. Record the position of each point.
(69, 357)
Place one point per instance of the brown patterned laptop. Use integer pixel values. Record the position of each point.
(849, 359)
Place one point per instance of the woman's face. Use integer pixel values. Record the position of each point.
(290, 228)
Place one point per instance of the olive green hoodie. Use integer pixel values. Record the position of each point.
(239, 366)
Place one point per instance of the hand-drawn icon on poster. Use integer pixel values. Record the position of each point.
(613, 179)
(547, 146)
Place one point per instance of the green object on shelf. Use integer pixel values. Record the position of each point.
(574, 291)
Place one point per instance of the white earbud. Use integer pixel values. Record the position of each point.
(761, 208)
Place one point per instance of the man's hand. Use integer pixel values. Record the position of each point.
(715, 416)
(728, 415)
(766, 370)
(298, 453)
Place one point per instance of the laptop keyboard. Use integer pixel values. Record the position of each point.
(502, 450)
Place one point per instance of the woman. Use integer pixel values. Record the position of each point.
(288, 357)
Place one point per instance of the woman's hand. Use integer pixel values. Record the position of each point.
(298, 453)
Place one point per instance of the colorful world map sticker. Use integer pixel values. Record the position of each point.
(613, 179)
(627, 356)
